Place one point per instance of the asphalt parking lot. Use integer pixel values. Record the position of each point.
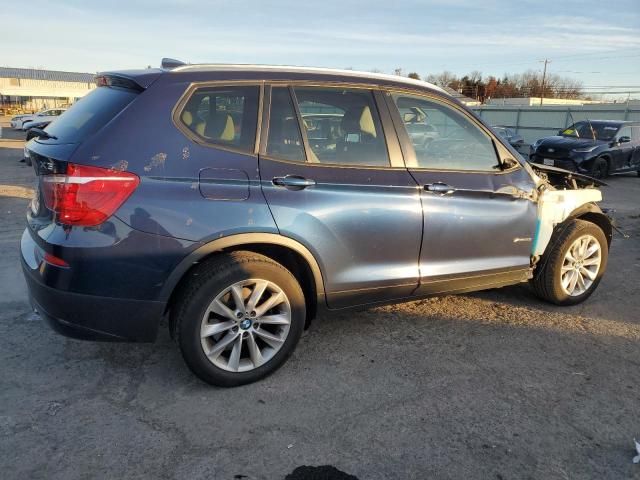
(493, 385)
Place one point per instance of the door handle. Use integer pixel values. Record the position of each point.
(293, 182)
(439, 187)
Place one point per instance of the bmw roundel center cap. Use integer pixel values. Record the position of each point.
(245, 324)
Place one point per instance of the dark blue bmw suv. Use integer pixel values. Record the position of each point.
(238, 201)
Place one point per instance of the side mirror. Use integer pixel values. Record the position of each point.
(624, 139)
(508, 163)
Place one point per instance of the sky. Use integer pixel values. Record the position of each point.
(596, 42)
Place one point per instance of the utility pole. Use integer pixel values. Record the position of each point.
(544, 76)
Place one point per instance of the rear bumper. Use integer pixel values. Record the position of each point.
(89, 317)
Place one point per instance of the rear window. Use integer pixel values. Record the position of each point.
(90, 113)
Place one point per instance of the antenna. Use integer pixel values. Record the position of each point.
(170, 63)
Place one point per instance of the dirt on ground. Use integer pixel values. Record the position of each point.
(491, 385)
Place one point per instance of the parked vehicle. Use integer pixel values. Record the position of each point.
(21, 122)
(592, 147)
(16, 121)
(198, 192)
(509, 135)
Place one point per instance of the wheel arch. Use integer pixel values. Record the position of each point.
(290, 253)
(589, 212)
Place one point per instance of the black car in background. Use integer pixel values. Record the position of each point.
(592, 147)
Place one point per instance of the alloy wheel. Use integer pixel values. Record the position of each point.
(580, 265)
(245, 325)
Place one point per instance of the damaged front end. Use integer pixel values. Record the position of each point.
(562, 196)
(564, 179)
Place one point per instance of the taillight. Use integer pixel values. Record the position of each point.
(87, 196)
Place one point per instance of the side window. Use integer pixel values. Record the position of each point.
(224, 116)
(443, 138)
(284, 140)
(342, 126)
(624, 132)
(635, 133)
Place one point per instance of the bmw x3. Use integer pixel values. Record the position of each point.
(238, 201)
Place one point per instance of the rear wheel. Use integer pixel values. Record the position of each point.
(600, 168)
(572, 270)
(239, 318)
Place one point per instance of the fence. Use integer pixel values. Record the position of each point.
(534, 122)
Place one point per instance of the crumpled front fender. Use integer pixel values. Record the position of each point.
(556, 206)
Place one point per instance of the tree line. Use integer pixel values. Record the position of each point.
(527, 84)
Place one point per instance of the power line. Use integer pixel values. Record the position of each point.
(606, 53)
(599, 56)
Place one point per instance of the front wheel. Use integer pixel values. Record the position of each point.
(600, 168)
(572, 270)
(238, 319)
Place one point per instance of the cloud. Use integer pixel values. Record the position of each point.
(421, 35)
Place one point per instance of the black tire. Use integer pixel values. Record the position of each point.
(546, 281)
(207, 281)
(600, 168)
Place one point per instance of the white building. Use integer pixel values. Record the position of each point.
(32, 90)
(535, 101)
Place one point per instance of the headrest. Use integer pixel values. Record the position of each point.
(366, 122)
(359, 120)
(220, 127)
(187, 118)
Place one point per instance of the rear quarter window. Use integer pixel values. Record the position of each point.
(90, 114)
(226, 116)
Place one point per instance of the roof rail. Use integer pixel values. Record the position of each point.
(170, 63)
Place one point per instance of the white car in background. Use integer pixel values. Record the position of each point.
(20, 122)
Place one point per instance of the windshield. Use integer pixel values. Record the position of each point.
(90, 113)
(586, 130)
